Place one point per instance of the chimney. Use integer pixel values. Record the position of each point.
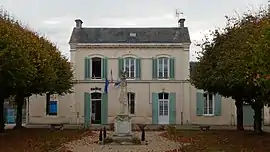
(78, 23)
(181, 22)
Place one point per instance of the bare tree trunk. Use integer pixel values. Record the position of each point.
(257, 107)
(2, 116)
(20, 102)
(239, 114)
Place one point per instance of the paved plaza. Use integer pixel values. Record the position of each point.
(156, 143)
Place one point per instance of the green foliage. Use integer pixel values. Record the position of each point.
(235, 63)
(29, 63)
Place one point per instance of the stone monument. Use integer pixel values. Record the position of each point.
(122, 124)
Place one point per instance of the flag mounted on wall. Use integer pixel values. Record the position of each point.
(106, 85)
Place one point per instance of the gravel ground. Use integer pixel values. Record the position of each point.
(156, 143)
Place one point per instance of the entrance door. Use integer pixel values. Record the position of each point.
(163, 108)
(96, 108)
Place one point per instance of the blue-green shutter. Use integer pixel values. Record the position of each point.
(87, 109)
(200, 103)
(154, 68)
(120, 65)
(104, 109)
(154, 108)
(104, 68)
(217, 109)
(138, 68)
(172, 68)
(87, 68)
(172, 107)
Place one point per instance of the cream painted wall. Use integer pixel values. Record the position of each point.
(143, 101)
(146, 54)
(227, 112)
(71, 107)
(37, 110)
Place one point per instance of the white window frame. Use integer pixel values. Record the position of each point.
(129, 103)
(129, 68)
(163, 77)
(101, 68)
(100, 99)
(207, 107)
(163, 100)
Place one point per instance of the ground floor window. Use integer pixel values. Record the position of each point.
(51, 104)
(10, 112)
(131, 102)
(163, 99)
(208, 104)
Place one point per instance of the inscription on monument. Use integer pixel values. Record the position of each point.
(122, 127)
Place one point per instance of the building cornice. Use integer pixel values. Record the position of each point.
(131, 45)
(134, 81)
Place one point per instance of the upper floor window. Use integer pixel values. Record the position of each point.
(96, 68)
(130, 67)
(163, 68)
(208, 104)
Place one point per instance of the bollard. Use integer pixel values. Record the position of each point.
(143, 135)
(104, 132)
(100, 135)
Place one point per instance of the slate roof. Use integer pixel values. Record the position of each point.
(122, 35)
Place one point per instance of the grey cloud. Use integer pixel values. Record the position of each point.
(201, 15)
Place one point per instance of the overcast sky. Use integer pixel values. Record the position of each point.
(55, 18)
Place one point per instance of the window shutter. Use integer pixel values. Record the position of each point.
(172, 112)
(87, 67)
(104, 109)
(172, 68)
(138, 68)
(217, 109)
(200, 103)
(154, 68)
(104, 68)
(87, 109)
(154, 108)
(120, 65)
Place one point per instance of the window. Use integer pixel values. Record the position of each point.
(132, 34)
(131, 102)
(129, 65)
(163, 99)
(96, 68)
(208, 104)
(163, 68)
(51, 105)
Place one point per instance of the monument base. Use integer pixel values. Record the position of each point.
(122, 128)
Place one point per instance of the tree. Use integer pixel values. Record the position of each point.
(54, 76)
(59, 81)
(29, 64)
(230, 63)
(14, 65)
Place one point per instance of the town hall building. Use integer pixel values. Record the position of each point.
(157, 64)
